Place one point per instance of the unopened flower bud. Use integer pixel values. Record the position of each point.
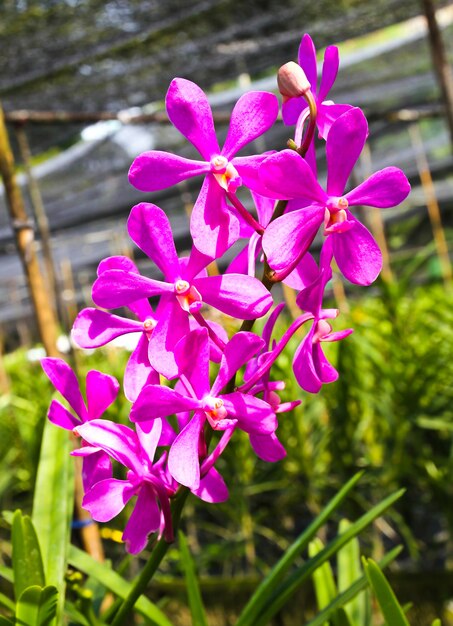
(291, 80)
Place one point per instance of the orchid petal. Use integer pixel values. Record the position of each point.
(107, 498)
(118, 262)
(60, 416)
(254, 113)
(150, 229)
(139, 372)
(305, 272)
(344, 144)
(156, 170)
(383, 189)
(94, 328)
(65, 381)
(253, 415)
(159, 401)
(183, 461)
(303, 365)
(189, 111)
(248, 169)
(287, 174)
(329, 71)
(173, 324)
(212, 488)
(291, 110)
(115, 288)
(214, 228)
(95, 467)
(244, 297)
(119, 441)
(144, 520)
(268, 447)
(307, 61)
(289, 236)
(357, 254)
(328, 113)
(240, 349)
(326, 372)
(192, 357)
(102, 391)
(149, 434)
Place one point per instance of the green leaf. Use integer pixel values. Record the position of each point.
(193, 589)
(37, 606)
(53, 504)
(6, 573)
(281, 594)
(390, 607)
(346, 596)
(7, 602)
(27, 562)
(115, 583)
(277, 573)
(323, 580)
(5, 622)
(437, 622)
(349, 570)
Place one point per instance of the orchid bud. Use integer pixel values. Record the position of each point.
(292, 81)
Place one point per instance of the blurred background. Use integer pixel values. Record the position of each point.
(82, 84)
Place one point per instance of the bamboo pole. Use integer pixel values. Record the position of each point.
(40, 216)
(432, 204)
(24, 238)
(440, 62)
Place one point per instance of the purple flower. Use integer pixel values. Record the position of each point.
(101, 391)
(106, 498)
(310, 365)
(295, 110)
(148, 480)
(94, 328)
(184, 290)
(214, 227)
(222, 411)
(288, 238)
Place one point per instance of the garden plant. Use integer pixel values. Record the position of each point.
(204, 366)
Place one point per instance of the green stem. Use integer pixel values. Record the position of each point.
(158, 553)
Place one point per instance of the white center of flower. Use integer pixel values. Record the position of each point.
(149, 324)
(219, 164)
(181, 286)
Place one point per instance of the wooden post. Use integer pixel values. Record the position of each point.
(40, 216)
(440, 62)
(24, 237)
(432, 204)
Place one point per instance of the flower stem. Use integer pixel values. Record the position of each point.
(244, 213)
(311, 125)
(158, 553)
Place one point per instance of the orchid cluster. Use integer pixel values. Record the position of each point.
(177, 408)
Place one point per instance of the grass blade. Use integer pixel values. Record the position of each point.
(53, 504)
(349, 594)
(193, 589)
(390, 607)
(277, 573)
(284, 591)
(27, 562)
(115, 583)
